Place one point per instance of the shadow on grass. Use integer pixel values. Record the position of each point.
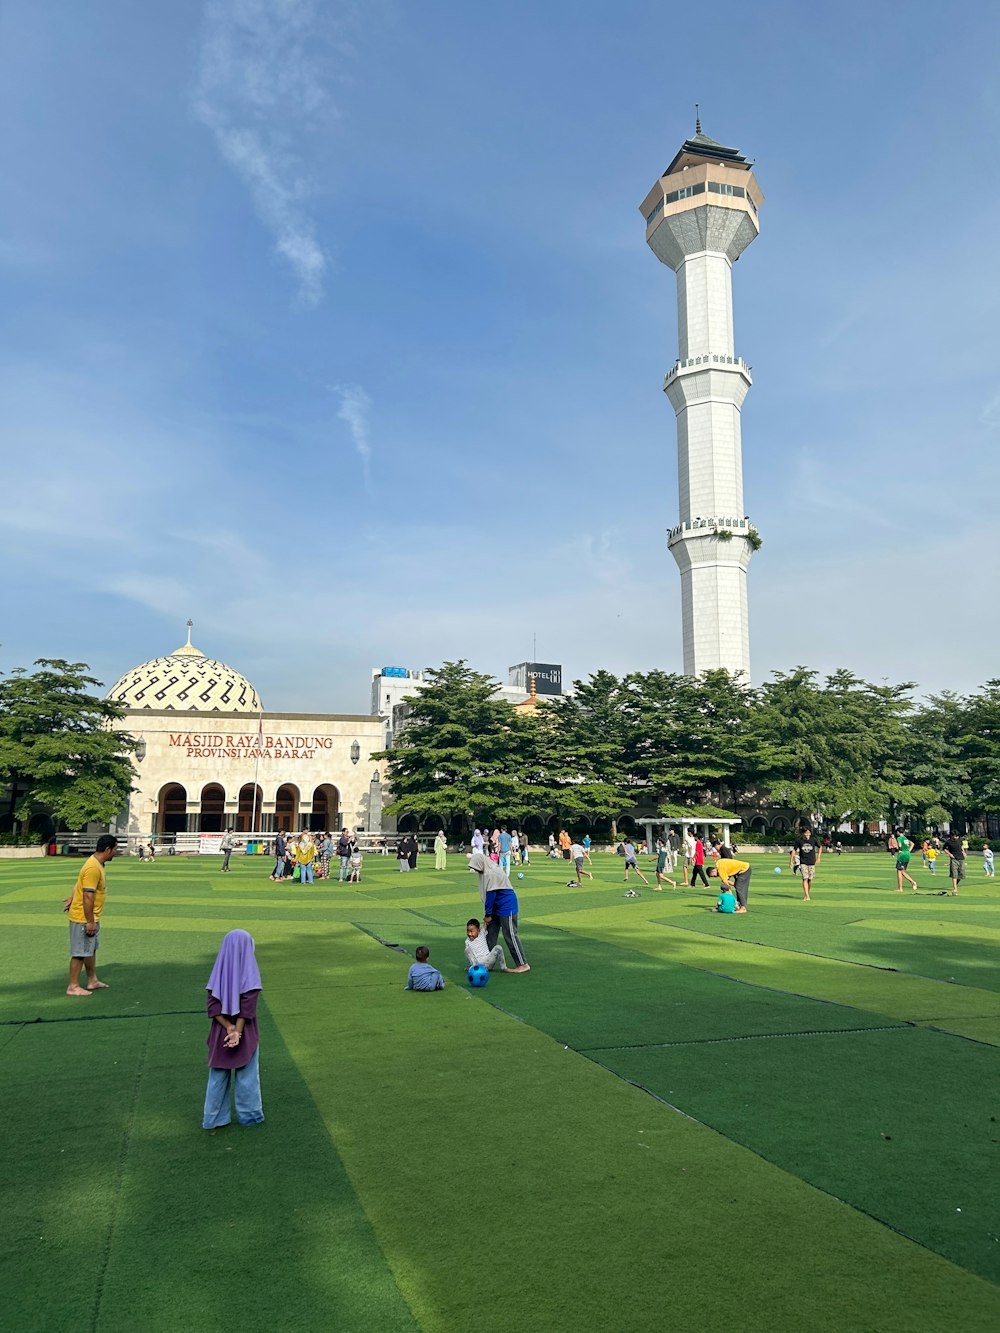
(249, 1228)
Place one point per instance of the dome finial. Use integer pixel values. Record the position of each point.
(190, 625)
(697, 119)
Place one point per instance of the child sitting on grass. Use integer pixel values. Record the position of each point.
(726, 903)
(478, 951)
(421, 975)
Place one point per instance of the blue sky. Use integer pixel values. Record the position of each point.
(333, 327)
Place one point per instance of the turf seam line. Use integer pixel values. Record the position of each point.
(119, 1189)
(752, 1036)
(378, 938)
(96, 1018)
(947, 1032)
(806, 953)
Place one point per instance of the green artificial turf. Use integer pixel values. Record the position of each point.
(507, 1156)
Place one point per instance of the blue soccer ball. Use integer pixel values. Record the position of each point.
(520, 874)
(777, 870)
(478, 975)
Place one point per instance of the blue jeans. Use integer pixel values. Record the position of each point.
(306, 874)
(345, 867)
(246, 1093)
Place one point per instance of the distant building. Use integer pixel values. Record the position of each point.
(547, 677)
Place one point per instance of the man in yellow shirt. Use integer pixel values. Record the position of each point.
(734, 874)
(85, 905)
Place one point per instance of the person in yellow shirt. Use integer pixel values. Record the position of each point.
(734, 874)
(305, 855)
(85, 905)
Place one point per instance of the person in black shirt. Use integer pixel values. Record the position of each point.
(808, 853)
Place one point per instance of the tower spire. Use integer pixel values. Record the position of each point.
(190, 626)
(697, 119)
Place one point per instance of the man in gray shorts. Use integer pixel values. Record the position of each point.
(956, 861)
(808, 853)
(85, 905)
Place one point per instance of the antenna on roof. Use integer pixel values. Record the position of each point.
(190, 623)
(697, 119)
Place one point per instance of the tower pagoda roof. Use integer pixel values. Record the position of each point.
(701, 146)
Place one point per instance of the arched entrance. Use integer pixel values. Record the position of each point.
(407, 824)
(286, 808)
(325, 808)
(251, 800)
(172, 814)
(213, 808)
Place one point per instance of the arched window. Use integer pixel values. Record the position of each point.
(325, 808)
(172, 812)
(286, 808)
(213, 808)
(251, 801)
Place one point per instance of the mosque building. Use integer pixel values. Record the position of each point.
(211, 759)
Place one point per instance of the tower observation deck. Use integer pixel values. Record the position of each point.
(700, 217)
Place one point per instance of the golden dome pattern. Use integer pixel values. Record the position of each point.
(187, 681)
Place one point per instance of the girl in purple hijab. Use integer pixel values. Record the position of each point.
(231, 1001)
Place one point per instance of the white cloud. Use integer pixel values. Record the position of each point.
(262, 91)
(354, 408)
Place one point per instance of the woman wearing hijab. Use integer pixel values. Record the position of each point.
(440, 851)
(410, 843)
(477, 841)
(231, 1001)
(499, 907)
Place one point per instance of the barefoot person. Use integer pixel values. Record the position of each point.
(662, 859)
(735, 875)
(807, 851)
(85, 905)
(500, 908)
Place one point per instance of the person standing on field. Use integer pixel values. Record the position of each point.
(226, 847)
(956, 861)
(85, 905)
(440, 851)
(808, 854)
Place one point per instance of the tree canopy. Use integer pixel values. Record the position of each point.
(834, 748)
(58, 747)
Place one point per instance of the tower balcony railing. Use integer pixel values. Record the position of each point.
(706, 527)
(708, 361)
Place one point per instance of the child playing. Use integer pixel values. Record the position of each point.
(231, 1001)
(726, 903)
(421, 975)
(632, 864)
(354, 866)
(662, 854)
(988, 867)
(577, 852)
(478, 951)
(735, 875)
(932, 856)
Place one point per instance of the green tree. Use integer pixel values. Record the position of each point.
(459, 750)
(58, 745)
(981, 746)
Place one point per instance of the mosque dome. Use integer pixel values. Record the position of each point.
(188, 681)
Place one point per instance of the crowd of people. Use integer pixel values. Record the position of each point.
(308, 857)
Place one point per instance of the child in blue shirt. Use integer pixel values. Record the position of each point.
(421, 975)
(727, 901)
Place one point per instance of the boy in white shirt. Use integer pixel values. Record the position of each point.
(577, 854)
(478, 951)
(988, 865)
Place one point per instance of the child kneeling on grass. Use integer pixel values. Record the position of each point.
(231, 1001)
(478, 951)
(421, 975)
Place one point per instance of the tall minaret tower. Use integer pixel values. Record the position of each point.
(700, 217)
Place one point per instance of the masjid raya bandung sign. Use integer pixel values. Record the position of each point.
(208, 745)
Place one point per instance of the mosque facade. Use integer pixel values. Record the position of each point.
(211, 758)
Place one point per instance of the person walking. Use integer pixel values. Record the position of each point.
(956, 860)
(807, 853)
(85, 906)
(902, 861)
(698, 864)
(500, 908)
(233, 1042)
(989, 869)
(440, 851)
(226, 847)
(628, 850)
